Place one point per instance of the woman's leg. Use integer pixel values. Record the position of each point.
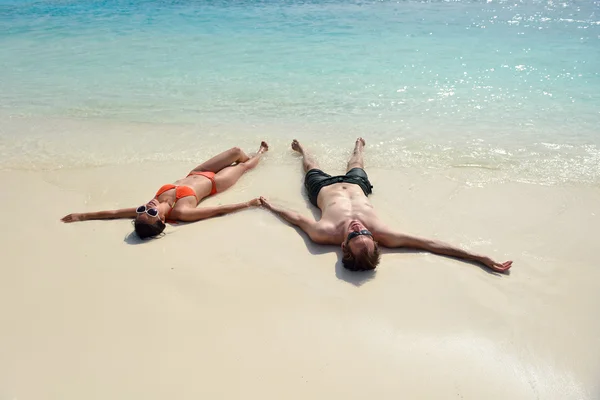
(228, 176)
(225, 159)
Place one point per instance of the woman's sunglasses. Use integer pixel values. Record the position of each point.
(352, 235)
(153, 212)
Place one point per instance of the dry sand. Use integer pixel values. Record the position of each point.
(244, 307)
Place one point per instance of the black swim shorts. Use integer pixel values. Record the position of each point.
(315, 180)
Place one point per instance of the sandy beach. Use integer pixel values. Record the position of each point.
(243, 306)
(481, 128)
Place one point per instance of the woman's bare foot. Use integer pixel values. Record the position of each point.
(253, 161)
(263, 147)
(296, 146)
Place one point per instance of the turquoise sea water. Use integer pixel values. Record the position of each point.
(493, 83)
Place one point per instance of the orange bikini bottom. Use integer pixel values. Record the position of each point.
(209, 175)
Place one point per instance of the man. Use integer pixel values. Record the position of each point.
(348, 217)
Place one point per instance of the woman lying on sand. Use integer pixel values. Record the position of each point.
(178, 202)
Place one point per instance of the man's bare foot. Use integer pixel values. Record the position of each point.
(360, 141)
(296, 146)
(263, 147)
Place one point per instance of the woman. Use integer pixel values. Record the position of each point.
(177, 202)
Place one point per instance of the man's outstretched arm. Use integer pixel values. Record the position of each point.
(294, 218)
(395, 239)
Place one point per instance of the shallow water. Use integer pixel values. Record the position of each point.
(510, 86)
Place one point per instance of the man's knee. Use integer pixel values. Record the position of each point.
(310, 167)
(355, 165)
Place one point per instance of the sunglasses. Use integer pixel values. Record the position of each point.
(153, 212)
(352, 235)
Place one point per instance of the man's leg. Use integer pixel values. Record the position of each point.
(314, 178)
(308, 162)
(225, 159)
(356, 160)
(229, 175)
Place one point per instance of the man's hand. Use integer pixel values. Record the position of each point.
(265, 203)
(72, 218)
(496, 266)
(309, 226)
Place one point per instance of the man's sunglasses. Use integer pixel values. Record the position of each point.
(352, 235)
(153, 212)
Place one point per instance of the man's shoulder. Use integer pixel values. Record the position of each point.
(325, 227)
(324, 232)
(378, 229)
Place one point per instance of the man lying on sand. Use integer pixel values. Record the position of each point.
(348, 217)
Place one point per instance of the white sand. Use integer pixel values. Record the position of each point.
(243, 307)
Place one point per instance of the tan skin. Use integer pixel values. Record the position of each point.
(228, 167)
(345, 209)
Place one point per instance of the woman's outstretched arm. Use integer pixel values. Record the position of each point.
(197, 214)
(108, 214)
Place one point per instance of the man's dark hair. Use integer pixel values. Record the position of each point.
(145, 230)
(363, 261)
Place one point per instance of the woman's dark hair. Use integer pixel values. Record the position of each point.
(145, 230)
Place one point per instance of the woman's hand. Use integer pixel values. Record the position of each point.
(72, 218)
(254, 202)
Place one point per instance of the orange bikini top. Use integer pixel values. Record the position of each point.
(186, 191)
(180, 191)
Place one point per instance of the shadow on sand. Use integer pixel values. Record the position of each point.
(133, 239)
(356, 278)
